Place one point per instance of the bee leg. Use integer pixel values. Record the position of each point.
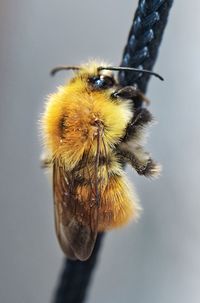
(134, 129)
(141, 161)
(131, 93)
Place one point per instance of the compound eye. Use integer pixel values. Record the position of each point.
(101, 82)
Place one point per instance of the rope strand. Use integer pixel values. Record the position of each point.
(144, 40)
(76, 276)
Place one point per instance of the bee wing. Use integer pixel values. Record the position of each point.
(76, 240)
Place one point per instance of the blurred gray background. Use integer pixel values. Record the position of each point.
(155, 260)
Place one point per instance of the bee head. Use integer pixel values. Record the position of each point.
(96, 78)
(101, 81)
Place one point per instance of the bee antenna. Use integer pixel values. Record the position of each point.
(59, 68)
(131, 69)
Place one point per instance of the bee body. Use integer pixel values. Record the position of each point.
(88, 126)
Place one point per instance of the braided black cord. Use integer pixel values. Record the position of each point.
(144, 39)
(141, 51)
(76, 276)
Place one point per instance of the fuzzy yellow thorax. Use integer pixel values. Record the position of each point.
(71, 117)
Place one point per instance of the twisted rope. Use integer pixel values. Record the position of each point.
(144, 40)
(76, 276)
(141, 51)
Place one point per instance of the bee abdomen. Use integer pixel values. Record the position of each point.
(117, 203)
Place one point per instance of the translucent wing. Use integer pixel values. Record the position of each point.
(76, 220)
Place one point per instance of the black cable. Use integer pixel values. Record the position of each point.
(76, 276)
(141, 51)
(144, 40)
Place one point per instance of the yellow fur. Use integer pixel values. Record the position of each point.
(81, 109)
(69, 131)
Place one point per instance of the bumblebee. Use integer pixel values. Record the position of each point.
(92, 127)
